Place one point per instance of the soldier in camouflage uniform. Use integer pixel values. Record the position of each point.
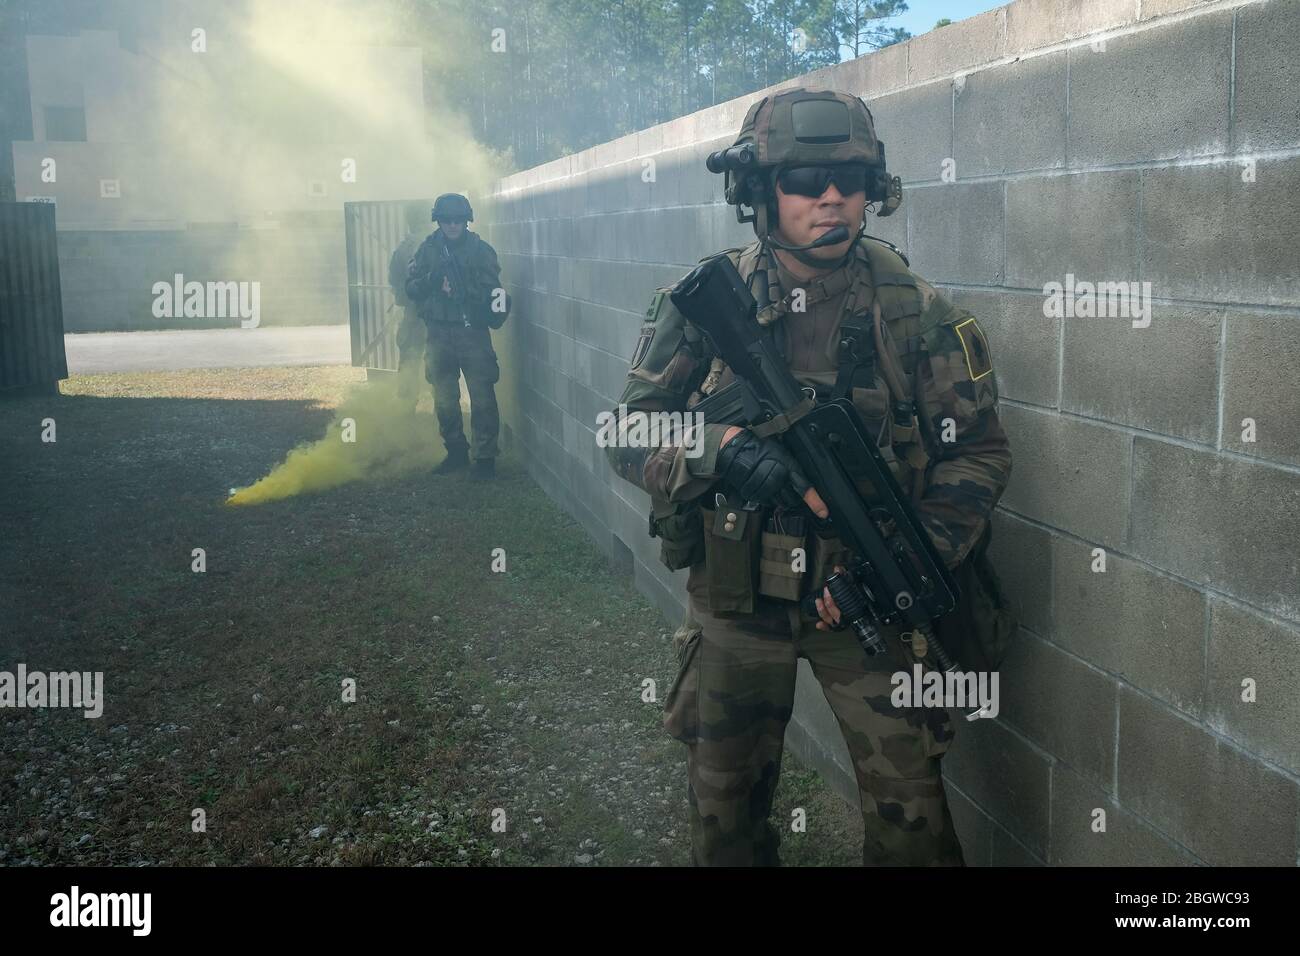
(411, 333)
(853, 321)
(456, 280)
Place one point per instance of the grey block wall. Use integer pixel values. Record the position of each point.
(108, 276)
(1115, 141)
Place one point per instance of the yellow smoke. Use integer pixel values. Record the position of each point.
(389, 438)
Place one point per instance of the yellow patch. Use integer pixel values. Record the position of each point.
(978, 361)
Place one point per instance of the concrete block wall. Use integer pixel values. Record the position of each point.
(1113, 140)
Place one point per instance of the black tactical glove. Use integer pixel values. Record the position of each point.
(419, 287)
(761, 470)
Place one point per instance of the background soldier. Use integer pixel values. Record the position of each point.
(456, 280)
(411, 332)
(852, 321)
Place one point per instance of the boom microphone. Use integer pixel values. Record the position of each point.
(835, 236)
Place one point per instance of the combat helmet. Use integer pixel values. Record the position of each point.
(452, 206)
(801, 127)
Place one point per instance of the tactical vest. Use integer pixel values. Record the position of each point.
(734, 556)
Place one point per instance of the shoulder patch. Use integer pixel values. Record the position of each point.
(652, 312)
(976, 347)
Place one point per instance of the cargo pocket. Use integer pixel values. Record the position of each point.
(776, 575)
(682, 705)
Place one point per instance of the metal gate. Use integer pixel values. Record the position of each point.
(31, 300)
(373, 230)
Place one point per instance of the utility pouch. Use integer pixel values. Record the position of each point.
(680, 531)
(777, 577)
(731, 554)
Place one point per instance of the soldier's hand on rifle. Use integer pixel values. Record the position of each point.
(760, 469)
(828, 610)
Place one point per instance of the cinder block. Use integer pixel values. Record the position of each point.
(1220, 521)
(1024, 343)
(1008, 851)
(1125, 841)
(1147, 628)
(1011, 118)
(1219, 802)
(1068, 473)
(1085, 224)
(1022, 555)
(956, 232)
(974, 828)
(958, 46)
(1004, 776)
(916, 127)
(1037, 23)
(1061, 704)
(873, 73)
(1163, 378)
(1245, 645)
(1173, 84)
(1261, 365)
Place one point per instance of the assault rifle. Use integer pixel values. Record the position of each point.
(451, 269)
(895, 576)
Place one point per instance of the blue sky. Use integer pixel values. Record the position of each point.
(922, 15)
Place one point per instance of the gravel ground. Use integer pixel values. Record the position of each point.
(498, 717)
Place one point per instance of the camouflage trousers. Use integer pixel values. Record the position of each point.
(411, 336)
(455, 348)
(730, 704)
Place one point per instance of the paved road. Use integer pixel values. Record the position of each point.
(90, 353)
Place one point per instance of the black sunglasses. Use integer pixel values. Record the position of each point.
(811, 181)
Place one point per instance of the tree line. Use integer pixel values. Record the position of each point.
(544, 78)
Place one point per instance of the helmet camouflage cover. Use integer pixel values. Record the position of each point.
(803, 126)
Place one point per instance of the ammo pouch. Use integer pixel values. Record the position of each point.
(980, 629)
(776, 575)
(680, 532)
(732, 538)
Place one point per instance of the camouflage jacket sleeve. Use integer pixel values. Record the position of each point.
(397, 267)
(668, 364)
(486, 274)
(419, 278)
(970, 457)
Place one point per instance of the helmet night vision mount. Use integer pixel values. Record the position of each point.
(801, 127)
